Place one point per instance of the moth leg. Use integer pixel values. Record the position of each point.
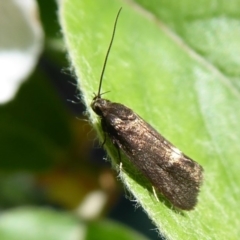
(119, 155)
(104, 140)
(120, 167)
(103, 124)
(118, 149)
(154, 193)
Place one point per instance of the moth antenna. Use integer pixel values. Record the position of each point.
(108, 51)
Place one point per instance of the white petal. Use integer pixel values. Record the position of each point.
(21, 41)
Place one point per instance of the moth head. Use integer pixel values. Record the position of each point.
(98, 105)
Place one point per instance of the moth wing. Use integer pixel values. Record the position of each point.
(171, 172)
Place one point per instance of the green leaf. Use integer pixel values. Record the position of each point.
(109, 230)
(36, 224)
(176, 65)
(42, 223)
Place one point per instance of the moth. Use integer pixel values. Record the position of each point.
(176, 176)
